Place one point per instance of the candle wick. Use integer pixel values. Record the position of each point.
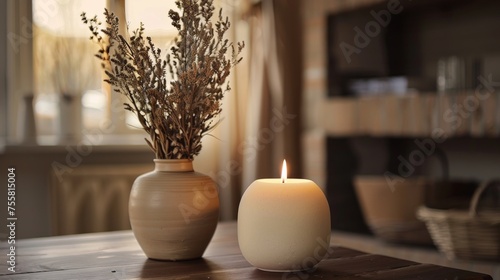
(283, 180)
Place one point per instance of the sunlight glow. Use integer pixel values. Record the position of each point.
(63, 17)
(153, 14)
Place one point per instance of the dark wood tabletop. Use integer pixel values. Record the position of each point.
(116, 255)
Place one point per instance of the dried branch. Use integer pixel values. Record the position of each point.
(176, 114)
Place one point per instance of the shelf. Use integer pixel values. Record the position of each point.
(414, 115)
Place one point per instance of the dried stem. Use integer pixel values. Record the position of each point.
(176, 114)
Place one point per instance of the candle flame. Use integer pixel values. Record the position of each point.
(283, 172)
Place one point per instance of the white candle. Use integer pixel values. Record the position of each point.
(284, 224)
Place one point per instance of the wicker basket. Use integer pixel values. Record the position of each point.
(465, 234)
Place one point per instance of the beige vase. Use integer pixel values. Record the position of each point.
(173, 211)
(70, 119)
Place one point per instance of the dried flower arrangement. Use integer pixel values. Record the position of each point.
(177, 113)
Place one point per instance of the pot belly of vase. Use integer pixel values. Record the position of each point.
(173, 214)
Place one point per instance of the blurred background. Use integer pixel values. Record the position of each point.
(387, 105)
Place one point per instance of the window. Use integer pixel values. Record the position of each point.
(64, 65)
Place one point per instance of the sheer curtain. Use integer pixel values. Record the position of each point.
(261, 115)
(274, 92)
(18, 63)
(262, 148)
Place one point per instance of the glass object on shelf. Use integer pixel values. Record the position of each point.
(451, 74)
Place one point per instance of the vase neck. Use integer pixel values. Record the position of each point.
(173, 165)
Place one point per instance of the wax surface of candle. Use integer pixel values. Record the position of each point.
(284, 226)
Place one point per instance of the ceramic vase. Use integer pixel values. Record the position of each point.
(27, 121)
(70, 119)
(173, 211)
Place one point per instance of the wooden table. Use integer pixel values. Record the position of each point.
(116, 255)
